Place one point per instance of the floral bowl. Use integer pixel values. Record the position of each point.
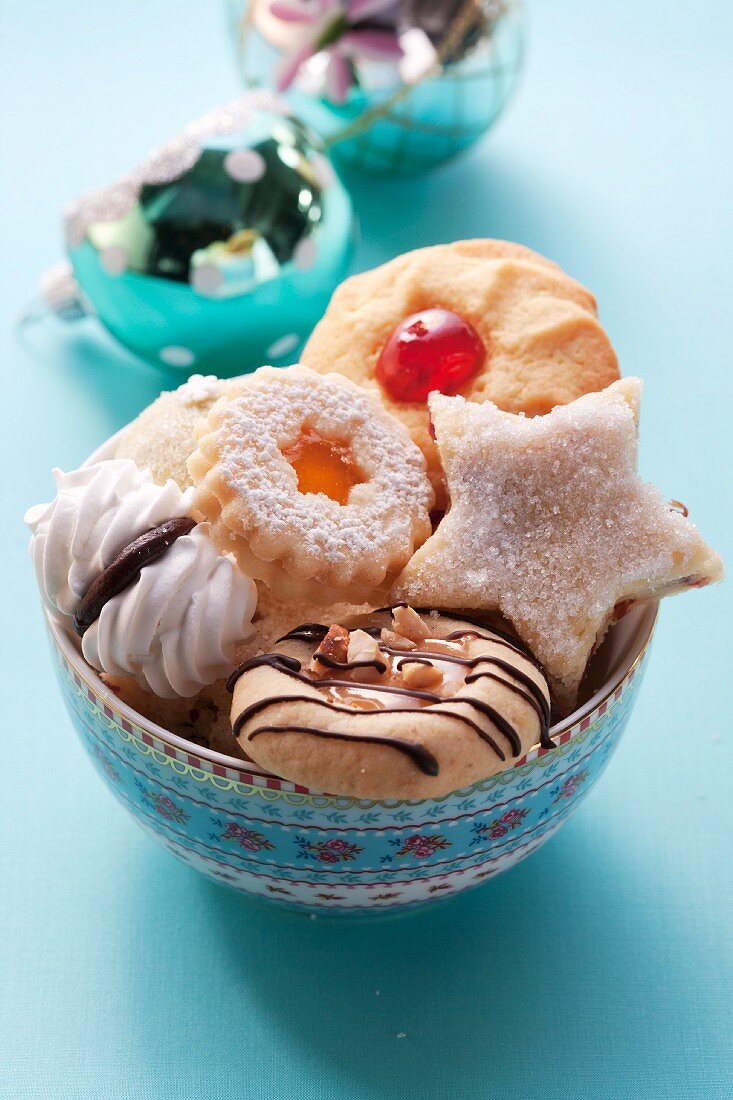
(298, 848)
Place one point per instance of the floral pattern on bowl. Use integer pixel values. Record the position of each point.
(277, 841)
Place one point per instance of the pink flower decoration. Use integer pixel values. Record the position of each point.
(333, 27)
(422, 850)
(245, 838)
(327, 857)
(422, 847)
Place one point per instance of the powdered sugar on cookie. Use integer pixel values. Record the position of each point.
(298, 524)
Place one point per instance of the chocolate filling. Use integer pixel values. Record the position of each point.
(125, 569)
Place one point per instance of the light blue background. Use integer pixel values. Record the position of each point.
(601, 967)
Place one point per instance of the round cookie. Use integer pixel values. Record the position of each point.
(391, 705)
(311, 485)
(161, 438)
(544, 345)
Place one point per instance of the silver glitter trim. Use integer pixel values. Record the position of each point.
(165, 164)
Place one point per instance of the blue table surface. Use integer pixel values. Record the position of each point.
(601, 967)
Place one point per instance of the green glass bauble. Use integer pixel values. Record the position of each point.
(221, 250)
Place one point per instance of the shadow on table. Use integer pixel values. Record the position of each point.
(97, 369)
(564, 958)
(476, 196)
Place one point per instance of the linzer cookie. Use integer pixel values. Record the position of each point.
(311, 484)
(396, 704)
(551, 525)
(486, 319)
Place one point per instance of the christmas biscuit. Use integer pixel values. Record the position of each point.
(391, 705)
(551, 525)
(489, 320)
(161, 438)
(122, 562)
(311, 484)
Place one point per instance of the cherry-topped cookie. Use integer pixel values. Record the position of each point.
(488, 320)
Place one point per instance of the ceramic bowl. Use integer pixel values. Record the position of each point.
(295, 847)
(281, 842)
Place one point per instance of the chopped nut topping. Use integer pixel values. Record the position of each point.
(408, 623)
(335, 647)
(418, 675)
(397, 641)
(362, 647)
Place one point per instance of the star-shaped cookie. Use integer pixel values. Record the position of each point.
(551, 525)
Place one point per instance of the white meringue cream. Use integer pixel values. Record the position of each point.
(97, 511)
(175, 628)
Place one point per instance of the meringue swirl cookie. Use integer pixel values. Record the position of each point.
(391, 705)
(489, 320)
(311, 484)
(97, 511)
(176, 627)
(161, 438)
(120, 558)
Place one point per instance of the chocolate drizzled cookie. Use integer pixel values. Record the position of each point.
(398, 704)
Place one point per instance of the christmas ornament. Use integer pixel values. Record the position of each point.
(392, 86)
(220, 251)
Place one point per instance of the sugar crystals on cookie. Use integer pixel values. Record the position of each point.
(161, 438)
(551, 525)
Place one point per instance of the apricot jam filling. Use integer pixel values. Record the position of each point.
(323, 466)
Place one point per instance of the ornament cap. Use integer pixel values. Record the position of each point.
(59, 294)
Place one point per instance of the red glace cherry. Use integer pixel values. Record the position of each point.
(431, 350)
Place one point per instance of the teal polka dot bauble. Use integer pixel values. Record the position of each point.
(220, 251)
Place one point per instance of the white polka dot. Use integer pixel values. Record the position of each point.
(206, 279)
(305, 254)
(282, 346)
(245, 165)
(114, 259)
(176, 356)
(324, 170)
